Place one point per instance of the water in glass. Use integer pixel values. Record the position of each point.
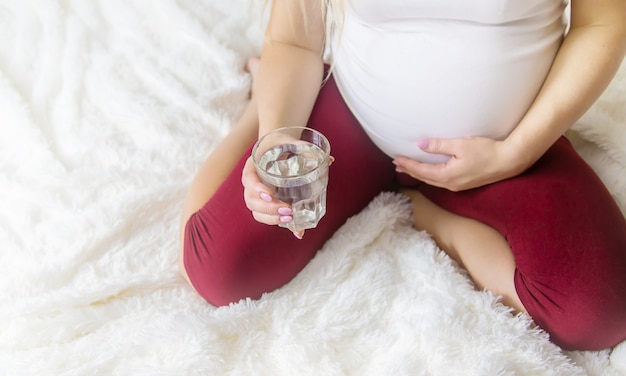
(298, 173)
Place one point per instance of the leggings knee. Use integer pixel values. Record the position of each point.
(225, 267)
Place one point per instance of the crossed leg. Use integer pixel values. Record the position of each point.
(220, 163)
(475, 246)
(569, 274)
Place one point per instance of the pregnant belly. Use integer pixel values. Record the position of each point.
(440, 83)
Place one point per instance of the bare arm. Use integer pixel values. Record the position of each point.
(587, 61)
(291, 69)
(288, 83)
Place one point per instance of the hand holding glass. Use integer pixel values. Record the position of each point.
(293, 161)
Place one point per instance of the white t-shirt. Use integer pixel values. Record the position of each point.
(420, 69)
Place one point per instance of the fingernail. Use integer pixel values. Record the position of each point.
(284, 211)
(286, 219)
(299, 234)
(266, 197)
(422, 144)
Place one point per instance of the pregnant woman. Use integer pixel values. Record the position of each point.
(462, 106)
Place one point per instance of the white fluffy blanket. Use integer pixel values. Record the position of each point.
(107, 108)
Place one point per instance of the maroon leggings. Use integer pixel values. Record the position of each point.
(566, 232)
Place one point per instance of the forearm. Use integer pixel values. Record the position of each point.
(288, 84)
(584, 66)
(291, 69)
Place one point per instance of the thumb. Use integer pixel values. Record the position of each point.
(436, 146)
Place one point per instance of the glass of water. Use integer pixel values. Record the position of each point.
(293, 161)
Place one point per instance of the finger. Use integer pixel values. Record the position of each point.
(258, 190)
(417, 169)
(299, 234)
(249, 175)
(271, 219)
(439, 175)
(254, 189)
(263, 203)
(260, 201)
(438, 146)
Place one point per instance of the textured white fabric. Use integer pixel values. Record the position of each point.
(413, 70)
(107, 109)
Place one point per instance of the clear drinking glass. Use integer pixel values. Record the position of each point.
(293, 161)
